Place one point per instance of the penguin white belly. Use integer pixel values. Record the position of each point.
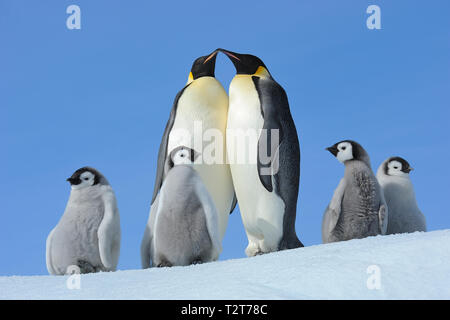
(203, 109)
(262, 211)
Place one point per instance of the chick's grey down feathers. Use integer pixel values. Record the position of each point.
(182, 236)
(88, 234)
(183, 228)
(404, 213)
(358, 208)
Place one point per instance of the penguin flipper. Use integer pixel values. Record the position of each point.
(333, 211)
(273, 102)
(145, 248)
(234, 203)
(269, 166)
(109, 232)
(383, 214)
(48, 253)
(146, 244)
(162, 153)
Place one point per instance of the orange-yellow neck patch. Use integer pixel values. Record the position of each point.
(190, 78)
(261, 72)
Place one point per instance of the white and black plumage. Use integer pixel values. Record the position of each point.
(404, 213)
(88, 234)
(266, 189)
(357, 209)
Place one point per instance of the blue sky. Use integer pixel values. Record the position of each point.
(101, 96)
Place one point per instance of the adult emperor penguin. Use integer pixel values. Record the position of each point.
(266, 180)
(185, 226)
(404, 213)
(357, 209)
(198, 121)
(87, 237)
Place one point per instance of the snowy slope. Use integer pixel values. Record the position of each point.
(414, 266)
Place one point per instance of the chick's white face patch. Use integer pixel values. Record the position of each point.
(87, 179)
(182, 156)
(395, 169)
(345, 151)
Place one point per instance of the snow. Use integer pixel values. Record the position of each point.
(411, 266)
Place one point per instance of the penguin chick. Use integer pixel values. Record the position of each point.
(185, 228)
(404, 213)
(87, 237)
(357, 209)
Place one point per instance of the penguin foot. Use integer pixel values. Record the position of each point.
(197, 261)
(292, 243)
(86, 267)
(164, 264)
(252, 250)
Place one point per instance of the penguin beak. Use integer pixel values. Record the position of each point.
(73, 181)
(235, 58)
(333, 150)
(230, 54)
(212, 55)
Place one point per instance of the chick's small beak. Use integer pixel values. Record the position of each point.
(333, 150)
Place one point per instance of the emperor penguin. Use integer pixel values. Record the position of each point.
(266, 181)
(404, 213)
(198, 121)
(185, 226)
(87, 237)
(358, 208)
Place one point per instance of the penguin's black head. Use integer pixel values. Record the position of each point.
(84, 177)
(247, 64)
(397, 166)
(203, 66)
(348, 150)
